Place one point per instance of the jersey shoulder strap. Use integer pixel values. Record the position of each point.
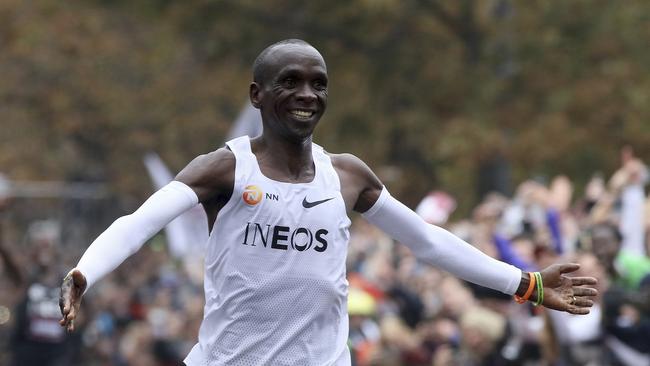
(244, 158)
(323, 163)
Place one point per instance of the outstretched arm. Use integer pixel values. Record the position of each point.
(123, 238)
(128, 233)
(206, 178)
(366, 194)
(441, 248)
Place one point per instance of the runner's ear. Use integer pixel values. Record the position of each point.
(254, 93)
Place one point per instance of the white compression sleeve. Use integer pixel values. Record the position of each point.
(441, 248)
(128, 233)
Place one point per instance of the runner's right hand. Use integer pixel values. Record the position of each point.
(72, 289)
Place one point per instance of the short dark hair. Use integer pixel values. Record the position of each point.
(259, 66)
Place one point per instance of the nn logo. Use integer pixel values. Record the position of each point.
(253, 195)
(283, 237)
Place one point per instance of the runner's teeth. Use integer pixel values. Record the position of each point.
(303, 114)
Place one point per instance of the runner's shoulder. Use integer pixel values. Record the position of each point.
(346, 161)
(220, 159)
(214, 169)
(352, 166)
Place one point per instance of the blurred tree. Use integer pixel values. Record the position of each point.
(430, 93)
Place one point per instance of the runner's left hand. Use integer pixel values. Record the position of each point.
(564, 293)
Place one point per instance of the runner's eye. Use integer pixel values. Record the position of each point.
(290, 82)
(320, 85)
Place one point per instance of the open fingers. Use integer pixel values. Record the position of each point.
(569, 267)
(62, 306)
(68, 319)
(66, 301)
(70, 327)
(66, 313)
(585, 291)
(583, 302)
(72, 289)
(578, 310)
(580, 281)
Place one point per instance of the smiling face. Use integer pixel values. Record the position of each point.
(291, 91)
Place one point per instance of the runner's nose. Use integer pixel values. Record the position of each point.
(305, 93)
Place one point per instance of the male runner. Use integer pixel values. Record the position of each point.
(275, 287)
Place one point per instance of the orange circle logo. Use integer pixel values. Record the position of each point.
(252, 195)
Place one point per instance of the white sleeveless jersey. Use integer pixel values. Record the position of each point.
(275, 286)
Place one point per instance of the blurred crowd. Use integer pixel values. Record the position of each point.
(402, 311)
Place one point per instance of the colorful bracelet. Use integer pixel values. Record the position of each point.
(529, 291)
(540, 289)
